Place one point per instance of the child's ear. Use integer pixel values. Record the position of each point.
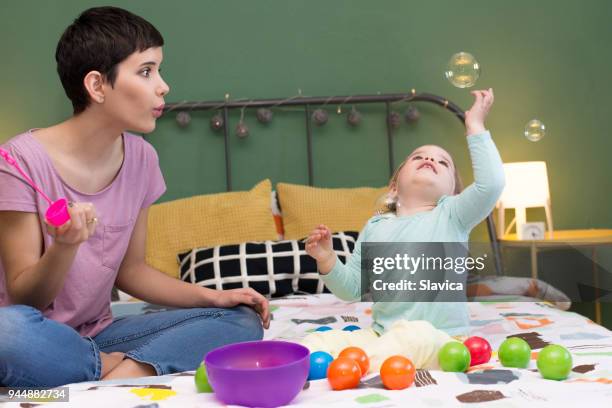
(392, 189)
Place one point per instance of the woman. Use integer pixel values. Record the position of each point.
(56, 325)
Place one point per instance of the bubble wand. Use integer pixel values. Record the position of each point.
(57, 213)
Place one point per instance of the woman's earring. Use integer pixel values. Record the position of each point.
(101, 100)
(398, 204)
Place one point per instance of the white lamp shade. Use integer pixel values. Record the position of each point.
(526, 185)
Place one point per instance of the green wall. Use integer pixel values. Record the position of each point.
(547, 59)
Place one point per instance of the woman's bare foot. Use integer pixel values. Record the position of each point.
(129, 368)
(110, 361)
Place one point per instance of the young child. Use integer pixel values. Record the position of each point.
(426, 205)
(56, 325)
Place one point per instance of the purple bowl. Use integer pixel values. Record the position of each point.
(258, 373)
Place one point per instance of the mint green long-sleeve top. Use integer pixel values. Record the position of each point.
(450, 221)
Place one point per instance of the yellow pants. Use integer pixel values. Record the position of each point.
(417, 340)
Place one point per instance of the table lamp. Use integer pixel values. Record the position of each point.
(526, 187)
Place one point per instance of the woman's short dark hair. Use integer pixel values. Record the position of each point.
(98, 40)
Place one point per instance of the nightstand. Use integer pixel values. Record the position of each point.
(558, 239)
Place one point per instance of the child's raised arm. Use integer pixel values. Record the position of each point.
(476, 202)
(475, 117)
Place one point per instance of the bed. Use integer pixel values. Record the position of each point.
(493, 317)
(179, 232)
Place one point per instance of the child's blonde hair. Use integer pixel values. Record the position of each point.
(390, 203)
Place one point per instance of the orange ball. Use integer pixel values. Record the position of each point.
(397, 373)
(343, 374)
(360, 356)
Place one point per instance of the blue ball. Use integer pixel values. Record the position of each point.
(319, 361)
(351, 327)
(323, 328)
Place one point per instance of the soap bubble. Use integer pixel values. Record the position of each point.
(462, 70)
(535, 130)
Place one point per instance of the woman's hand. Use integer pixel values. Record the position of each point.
(79, 228)
(475, 117)
(245, 296)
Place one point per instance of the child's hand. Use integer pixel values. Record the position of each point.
(319, 244)
(475, 117)
(79, 228)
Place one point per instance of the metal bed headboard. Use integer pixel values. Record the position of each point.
(307, 102)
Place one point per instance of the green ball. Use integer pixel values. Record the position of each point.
(454, 357)
(201, 380)
(514, 352)
(554, 362)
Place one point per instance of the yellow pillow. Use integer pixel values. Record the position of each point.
(207, 220)
(341, 209)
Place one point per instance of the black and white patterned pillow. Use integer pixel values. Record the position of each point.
(275, 268)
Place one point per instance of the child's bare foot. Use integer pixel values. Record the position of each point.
(533, 289)
(110, 361)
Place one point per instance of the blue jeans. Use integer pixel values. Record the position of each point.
(40, 352)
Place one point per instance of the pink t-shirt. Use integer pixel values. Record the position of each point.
(84, 301)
